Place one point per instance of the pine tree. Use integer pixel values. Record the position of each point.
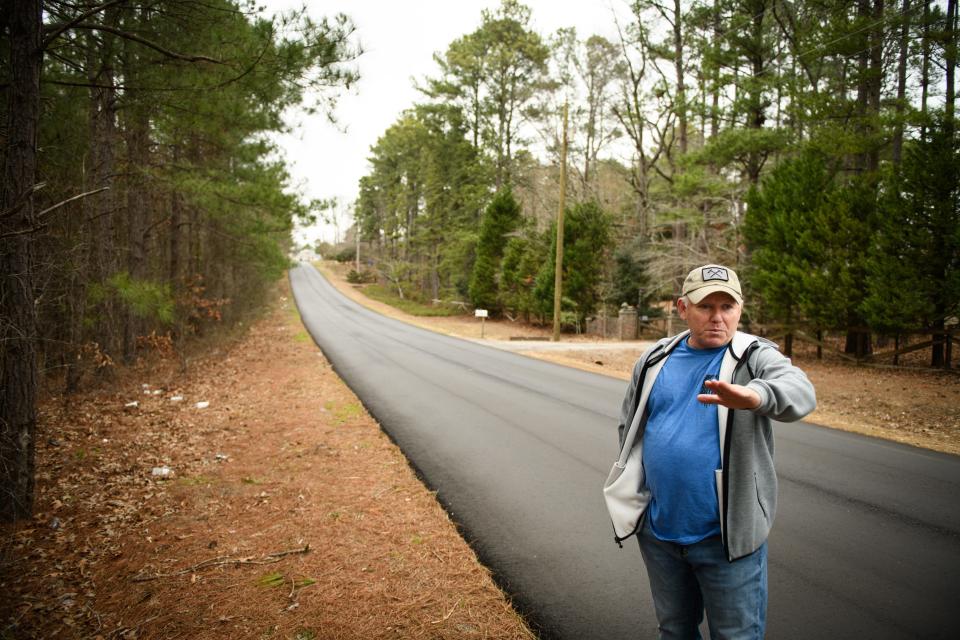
(586, 240)
(501, 217)
(630, 281)
(914, 263)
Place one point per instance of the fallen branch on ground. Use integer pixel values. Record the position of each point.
(220, 561)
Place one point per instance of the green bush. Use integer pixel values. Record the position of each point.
(144, 298)
(363, 277)
(348, 254)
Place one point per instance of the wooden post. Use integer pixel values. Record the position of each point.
(819, 344)
(558, 273)
(482, 314)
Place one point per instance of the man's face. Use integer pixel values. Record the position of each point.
(712, 321)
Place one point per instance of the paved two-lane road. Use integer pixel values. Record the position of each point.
(867, 539)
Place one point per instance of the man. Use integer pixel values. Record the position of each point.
(695, 480)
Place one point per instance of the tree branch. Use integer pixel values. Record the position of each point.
(69, 200)
(39, 226)
(147, 43)
(22, 200)
(22, 232)
(221, 561)
(58, 29)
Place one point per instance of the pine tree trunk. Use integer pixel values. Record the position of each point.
(103, 246)
(859, 343)
(756, 116)
(715, 94)
(939, 344)
(76, 294)
(176, 216)
(897, 150)
(875, 84)
(18, 332)
(679, 70)
(950, 61)
(925, 70)
(136, 142)
(97, 225)
(174, 276)
(863, 91)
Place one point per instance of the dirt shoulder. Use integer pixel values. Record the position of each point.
(916, 407)
(287, 513)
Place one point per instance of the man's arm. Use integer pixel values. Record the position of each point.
(779, 390)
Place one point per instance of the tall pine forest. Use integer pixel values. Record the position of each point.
(143, 203)
(811, 145)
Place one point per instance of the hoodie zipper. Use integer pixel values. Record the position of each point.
(753, 346)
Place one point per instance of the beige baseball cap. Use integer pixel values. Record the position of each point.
(711, 278)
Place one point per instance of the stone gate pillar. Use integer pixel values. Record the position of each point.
(628, 322)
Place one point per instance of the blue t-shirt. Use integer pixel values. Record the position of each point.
(681, 448)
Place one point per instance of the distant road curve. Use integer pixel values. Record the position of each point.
(866, 544)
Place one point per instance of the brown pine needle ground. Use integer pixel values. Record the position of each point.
(287, 514)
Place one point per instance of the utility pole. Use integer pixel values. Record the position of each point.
(558, 274)
(356, 234)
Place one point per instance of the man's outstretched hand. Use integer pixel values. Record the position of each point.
(732, 396)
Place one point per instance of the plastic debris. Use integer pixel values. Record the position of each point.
(162, 472)
(176, 399)
(132, 405)
(203, 404)
(221, 457)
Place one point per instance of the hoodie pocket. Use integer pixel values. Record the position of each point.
(763, 507)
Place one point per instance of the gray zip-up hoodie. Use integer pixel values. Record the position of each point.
(747, 481)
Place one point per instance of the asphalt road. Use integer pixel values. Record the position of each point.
(867, 538)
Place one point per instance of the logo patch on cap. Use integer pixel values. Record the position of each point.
(715, 273)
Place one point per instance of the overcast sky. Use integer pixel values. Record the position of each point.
(399, 38)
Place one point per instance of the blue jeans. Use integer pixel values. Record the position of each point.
(685, 580)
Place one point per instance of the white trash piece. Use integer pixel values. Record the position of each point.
(162, 472)
(132, 405)
(203, 404)
(176, 399)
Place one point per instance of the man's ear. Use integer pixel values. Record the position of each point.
(681, 308)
